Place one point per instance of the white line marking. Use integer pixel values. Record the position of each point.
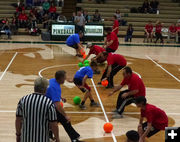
(163, 68)
(8, 66)
(107, 120)
(78, 112)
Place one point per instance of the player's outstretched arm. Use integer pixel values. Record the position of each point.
(142, 138)
(115, 90)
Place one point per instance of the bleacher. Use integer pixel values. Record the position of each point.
(169, 13)
(7, 10)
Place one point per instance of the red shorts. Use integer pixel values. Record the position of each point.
(78, 82)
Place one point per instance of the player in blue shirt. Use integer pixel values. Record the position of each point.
(54, 93)
(74, 42)
(80, 81)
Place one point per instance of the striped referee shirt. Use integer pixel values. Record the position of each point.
(37, 111)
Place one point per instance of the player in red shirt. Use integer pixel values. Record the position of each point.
(149, 31)
(156, 119)
(115, 62)
(158, 32)
(135, 89)
(172, 32)
(116, 25)
(23, 19)
(111, 43)
(97, 50)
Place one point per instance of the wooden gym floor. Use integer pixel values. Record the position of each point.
(21, 63)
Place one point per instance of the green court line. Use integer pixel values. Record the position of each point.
(100, 43)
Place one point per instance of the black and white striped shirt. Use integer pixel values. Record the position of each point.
(37, 111)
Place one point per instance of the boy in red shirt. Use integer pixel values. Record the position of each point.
(136, 88)
(149, 31)
(22, 19)
(172, 32)
(156, 119)
(158, 32)
(115, 62)
(111, 43)
(116, 25)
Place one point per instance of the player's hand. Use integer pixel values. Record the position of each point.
(124, 95)
(18, 138)
(141, 139)
(57, 140)
(64, 100)
(67, 118)
(111, 93)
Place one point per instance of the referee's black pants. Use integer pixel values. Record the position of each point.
(121, 102)
(67, 126)
(115, 69)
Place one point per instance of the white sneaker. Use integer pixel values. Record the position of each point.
(117, 116)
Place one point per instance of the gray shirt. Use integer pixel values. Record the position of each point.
(80, 20)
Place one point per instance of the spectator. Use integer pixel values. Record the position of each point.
(172, 32)
(149, 31)
(118, 15)
(6, 28)
(132, 136)
(61, 18)
(80, 23)
(129, 33)
(73, 17)
(33, 28)
(45, 21)
(146, 7)
(158, 32)
(14, 24)
(20, 8)
(154, 6)
(100, 1)
(22, 19)
(26, 116)
(116, 25)
(96, 16)
(52, 11)
(46, 6)
(86, 16)
(178, 32)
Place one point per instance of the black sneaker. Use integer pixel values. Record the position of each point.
(83, 107)
(109, 86)
(94, 104)
(76, 140)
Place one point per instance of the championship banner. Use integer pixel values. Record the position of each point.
(94, 30)
(62, 30)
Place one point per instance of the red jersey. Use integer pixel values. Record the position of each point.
(158, 28)
(155, 116)
(96, 50)
(134, 82)
(115, 44)
(116, 24)
(116, 59)
(22, 17)
(149, 28)
(172, 29)
(52, 9)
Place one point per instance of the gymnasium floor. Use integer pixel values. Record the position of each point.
(21, 63)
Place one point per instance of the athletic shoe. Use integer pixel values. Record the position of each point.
(117, 116)
(109, 86)
(94, 104)
(99, 83)
(83, 107)
(115, 111)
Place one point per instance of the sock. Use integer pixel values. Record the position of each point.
(92, 101)
(83, 102)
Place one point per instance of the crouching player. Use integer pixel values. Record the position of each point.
(80, 81)
(156, 119)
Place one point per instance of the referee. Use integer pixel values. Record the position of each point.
(35, 114)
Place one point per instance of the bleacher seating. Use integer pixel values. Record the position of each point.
(169, 13)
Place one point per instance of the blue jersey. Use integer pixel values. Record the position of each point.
(73, 39)
(54, 91)
(84, 71)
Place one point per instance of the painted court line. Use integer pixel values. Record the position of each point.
(163, 68)
(8, 66)
(107, 120)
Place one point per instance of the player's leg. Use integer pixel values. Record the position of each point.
(115, 69)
